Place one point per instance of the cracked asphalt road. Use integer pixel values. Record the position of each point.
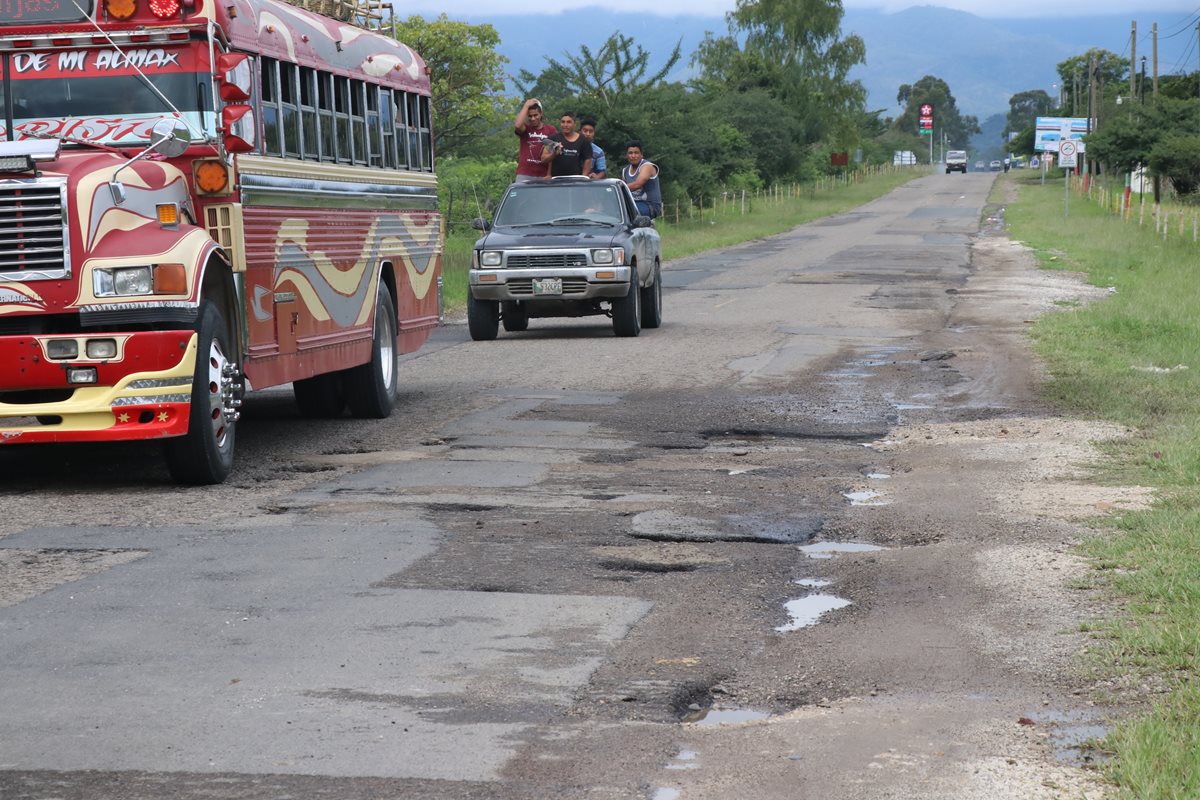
(573, 565)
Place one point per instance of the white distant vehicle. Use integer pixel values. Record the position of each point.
(956, 161)
(904, 158)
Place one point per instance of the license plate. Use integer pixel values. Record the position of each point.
(547, 285)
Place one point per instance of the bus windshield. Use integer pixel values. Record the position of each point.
(113, 106)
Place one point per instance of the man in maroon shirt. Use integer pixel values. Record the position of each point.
(532, 133)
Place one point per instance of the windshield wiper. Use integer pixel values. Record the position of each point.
(526, 224)
(577, 221)
(73, 140)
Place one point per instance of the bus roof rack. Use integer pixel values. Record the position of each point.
(356, 12)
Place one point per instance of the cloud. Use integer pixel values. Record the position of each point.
(1009, 9)
(1016, 9)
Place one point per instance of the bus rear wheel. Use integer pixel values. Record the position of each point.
(204, 455)
(371, 388)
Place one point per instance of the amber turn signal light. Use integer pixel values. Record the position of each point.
(212, 176)
(170, 279)
(120, 9)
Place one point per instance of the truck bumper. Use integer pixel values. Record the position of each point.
(578, 283)
(145, 395)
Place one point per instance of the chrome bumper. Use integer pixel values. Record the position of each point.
(579, 283)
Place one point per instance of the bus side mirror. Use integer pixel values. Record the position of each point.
(234, 77)
(237, 124)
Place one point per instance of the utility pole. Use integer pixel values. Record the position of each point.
(1092, 109)
(1154, 37)
(1133, 59)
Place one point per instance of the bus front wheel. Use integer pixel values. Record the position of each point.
(204, 455)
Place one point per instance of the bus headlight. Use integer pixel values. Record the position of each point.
(122, 281)
(490, 258)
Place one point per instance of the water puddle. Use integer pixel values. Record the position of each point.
(665, 793)
(807, 611)
(686, 759)
(830, 549)
(813, 583)
(726, 716)
(1072, 734)
(866, 497)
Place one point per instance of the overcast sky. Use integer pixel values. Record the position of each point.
(1134, 9)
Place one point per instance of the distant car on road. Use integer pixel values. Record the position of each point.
(995, 166)
(565, 247)
(979, 165)
(956, 161)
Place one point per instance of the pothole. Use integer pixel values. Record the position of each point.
(712, 717)
(807, 611)
(665, 526)
(830, 549)
(658, 557)
(460, 507)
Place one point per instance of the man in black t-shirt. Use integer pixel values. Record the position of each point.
(573, 153)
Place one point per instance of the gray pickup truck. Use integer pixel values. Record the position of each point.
(565, 247)
(956, 161)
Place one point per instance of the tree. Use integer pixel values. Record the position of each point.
(958, 128)
(466, 73)
(618, 67)
(794, 50)
(1111, 69)
(1159, 134)
(1024, 108)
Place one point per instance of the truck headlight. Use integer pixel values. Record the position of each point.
(123, 281)
(490, 258)
(614, 255)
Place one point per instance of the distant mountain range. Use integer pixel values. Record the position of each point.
(985, 61)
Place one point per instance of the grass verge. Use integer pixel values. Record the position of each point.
(1135, 359)
(720, 227)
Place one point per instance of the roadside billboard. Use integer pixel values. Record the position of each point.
(1048, 131)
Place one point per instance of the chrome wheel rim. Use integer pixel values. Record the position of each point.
(387, 350)
(222, 405)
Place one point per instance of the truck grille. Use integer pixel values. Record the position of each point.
(32, 233)
(546, 260)
(523, 287)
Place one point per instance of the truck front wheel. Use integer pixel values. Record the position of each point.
(204, 455)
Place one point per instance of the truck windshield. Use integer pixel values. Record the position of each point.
(531, 205)
(67, 95)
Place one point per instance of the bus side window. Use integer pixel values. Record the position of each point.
(325, 115)
(309, 140)
(415, 156)
(269, 99)
(341, 115)
(290, 111)
(426, 131)
(387, 119)
(358, 120)
(374, 140)
(404, 158)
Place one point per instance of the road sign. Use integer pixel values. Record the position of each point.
(1066, 153)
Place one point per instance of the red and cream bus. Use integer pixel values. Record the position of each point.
(200, 198)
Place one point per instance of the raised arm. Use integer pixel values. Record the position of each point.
(523, 114)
